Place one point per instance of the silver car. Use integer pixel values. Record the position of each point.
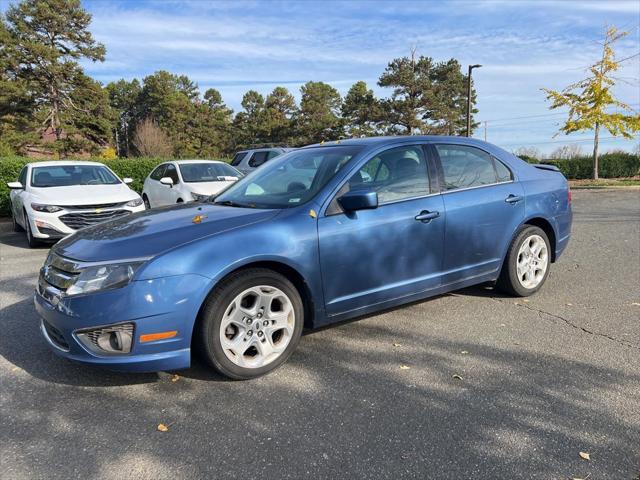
(248, 160)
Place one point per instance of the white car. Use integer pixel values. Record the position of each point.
(51, 200)
(187, 181)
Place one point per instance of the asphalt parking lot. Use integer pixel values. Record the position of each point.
(496, 387)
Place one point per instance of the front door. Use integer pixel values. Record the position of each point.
(374, 256)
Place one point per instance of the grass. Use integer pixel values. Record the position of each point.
(606, 182)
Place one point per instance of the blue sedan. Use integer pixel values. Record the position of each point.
(319, 235)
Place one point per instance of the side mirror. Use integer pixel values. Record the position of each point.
(166, 181)
(358, 200)
(15, 185)
(127, 180)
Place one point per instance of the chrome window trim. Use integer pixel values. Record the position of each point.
(444, 192)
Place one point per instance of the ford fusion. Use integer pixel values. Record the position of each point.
(53, 199)
(319, 235)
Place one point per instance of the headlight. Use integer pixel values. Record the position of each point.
(39, 207)
(135, 203)
(199, 198)
(102, 277)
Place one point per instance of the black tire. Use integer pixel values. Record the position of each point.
(16, 226)
(508, 281)
(180, 201)
(207, 331)
(147, 204)
(31, 240)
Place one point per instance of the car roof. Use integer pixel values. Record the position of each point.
(63, 163)
(186, 161)
(391, 140)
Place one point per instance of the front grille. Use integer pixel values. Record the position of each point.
(57, 272)
(84, 219)
(87, 207)
(55, 335)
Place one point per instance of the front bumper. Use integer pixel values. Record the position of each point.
(52, 226)
(164, 304)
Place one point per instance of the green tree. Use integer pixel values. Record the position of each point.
(319, 117)
(410, 79)
(123, 98)
(51, 36)
(588, 100)
(211, 125)
(279, 115)
(361, 111)
(446, 112)
(247, 124)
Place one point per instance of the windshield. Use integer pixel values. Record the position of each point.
(208, 172)
(68, 175)
(289, 180)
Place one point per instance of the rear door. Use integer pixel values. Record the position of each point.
(374, 256)
(484, 205)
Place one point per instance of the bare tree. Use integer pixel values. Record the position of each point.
(150, 140)
(567, 152)
(531, 152)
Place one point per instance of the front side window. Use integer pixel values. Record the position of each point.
(157, 174)
(207, 172)
(172, 173)
(258, 159)
(465, 167)
(395, 174)
(22, 178)
(289, 180)
(69, 175)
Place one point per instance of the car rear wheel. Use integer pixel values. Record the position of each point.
(250, 324)
(527, 263)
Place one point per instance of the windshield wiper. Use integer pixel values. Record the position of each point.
(231, 203)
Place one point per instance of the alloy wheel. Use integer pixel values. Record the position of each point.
(257, 326)
(532, 261)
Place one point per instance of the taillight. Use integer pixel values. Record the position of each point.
(569, 195)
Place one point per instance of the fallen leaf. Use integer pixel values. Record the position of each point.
(585, 456)
(397, 344)
(404, 367)
(464, 352)
(162, 427)
(525, 300)
(637, 304)
(175, 378)
(456, 376)
(569, 304)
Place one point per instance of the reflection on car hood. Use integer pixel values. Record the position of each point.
(209, 188)
(84, 194)
(151, 232)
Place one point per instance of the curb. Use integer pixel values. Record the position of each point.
(605, 187)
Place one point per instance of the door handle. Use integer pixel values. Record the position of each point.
(513, 198)
(426, 216)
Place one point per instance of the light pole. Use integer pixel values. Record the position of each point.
(471, 67)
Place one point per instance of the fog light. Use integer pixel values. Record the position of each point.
(111, 340)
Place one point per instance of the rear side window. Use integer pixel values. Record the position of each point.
(504, 174)
(238, 158)
(258, 159)
(158, 173)
(273, 154)
(466, 167)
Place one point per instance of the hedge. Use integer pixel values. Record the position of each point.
(611, 165)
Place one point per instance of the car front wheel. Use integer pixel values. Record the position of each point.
(31, 240)
(527, 263)
(16, 226)
(250, 324)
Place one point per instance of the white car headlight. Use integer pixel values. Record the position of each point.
(134, 203)
(103, 277)
(199, 198)
(39, 207)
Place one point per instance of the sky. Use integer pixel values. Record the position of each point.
(236, 46)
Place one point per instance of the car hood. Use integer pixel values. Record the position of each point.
(209, 188)
(152, 232)
(84, 194)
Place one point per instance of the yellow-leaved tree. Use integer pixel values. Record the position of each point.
(589, 100)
